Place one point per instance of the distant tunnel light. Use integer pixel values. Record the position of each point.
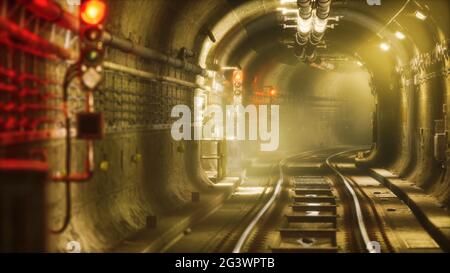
(93, 12)
(400, 35)
(385, 46)
(420, 15)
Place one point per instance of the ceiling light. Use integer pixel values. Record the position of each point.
(400, 35)
(320, 25)
(304, 26)
(385, 46)
(420, 15)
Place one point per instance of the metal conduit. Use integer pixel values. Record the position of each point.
(305, 13)
(53, 12)
(320, 18)
(148, 75)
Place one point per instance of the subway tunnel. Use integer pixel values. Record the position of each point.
(262, 126)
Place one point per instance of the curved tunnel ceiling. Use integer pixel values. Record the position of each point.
(251, 31)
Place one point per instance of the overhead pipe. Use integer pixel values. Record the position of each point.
(305, 9)
(305, 17)
(148, 75)
(320, 21)
(317, 27)
(323, 9)
(152, 54)
(53, 12)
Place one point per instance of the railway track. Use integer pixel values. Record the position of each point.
(317, 208)
(371, 245)
(278, 187)
(311, 225)
(313, 203)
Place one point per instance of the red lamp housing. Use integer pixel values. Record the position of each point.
(93, 12)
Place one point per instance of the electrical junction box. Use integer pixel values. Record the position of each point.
(90, 126)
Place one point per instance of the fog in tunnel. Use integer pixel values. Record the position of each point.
(328, 108)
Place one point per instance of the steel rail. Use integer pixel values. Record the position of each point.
(246, 234)
(360, 217)
(251, 226)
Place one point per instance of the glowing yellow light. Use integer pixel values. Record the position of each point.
(420, 15)
(385, 46)
(400, 35)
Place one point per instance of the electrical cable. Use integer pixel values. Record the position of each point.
(71, 73)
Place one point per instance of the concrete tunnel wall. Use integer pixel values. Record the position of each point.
(419, 107)
(117, 201)
(406, 112)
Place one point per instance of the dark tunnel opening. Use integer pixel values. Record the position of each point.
(174, 126)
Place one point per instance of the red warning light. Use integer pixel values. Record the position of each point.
(93, 12)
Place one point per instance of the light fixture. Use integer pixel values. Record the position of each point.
(320, 25)
(93, 12)
(420, 15)
(385, 46)
(359, 63)
(400, 35)
(304, 25)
